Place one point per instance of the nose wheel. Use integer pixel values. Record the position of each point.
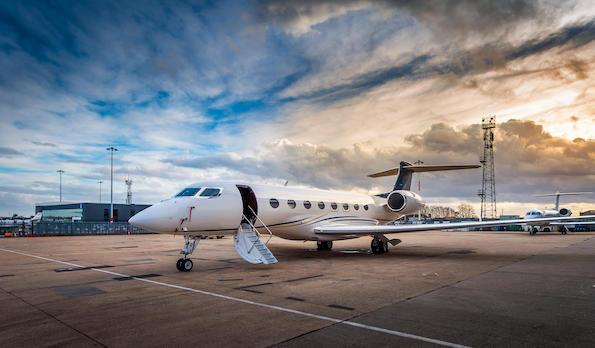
(184, 264)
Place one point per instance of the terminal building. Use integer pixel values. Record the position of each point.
(85, 212)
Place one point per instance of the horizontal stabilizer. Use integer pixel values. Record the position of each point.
(424, 168)
(563, 194)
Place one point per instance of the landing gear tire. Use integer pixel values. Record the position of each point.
(187, 265)
(179, 265)
(533, 231)
(324, 245)
(378, 246)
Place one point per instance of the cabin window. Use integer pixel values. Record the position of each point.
(356, 206)
(321, 205)
(366, 207)
(188, 191)
(307, 204)
(346, 206)
(291, 203)
(210, 192)
(274, 203)
(334, 206)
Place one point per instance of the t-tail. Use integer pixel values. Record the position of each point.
(558, 194)
(405, 172)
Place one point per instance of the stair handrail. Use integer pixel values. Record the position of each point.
(254, 229)
(263, 224)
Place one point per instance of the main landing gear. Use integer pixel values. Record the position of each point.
(378, 246)
(379, 243)
(185, 264)
(533, 231)
(563, 229)
(324, 245)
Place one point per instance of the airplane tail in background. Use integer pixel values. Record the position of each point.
(405, 172)
(558, 194)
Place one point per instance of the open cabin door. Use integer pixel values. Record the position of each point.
(248, 201)
(247, 239)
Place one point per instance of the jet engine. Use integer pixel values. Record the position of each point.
(565, 212)
(404, 202)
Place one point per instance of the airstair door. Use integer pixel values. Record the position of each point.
(249, 202)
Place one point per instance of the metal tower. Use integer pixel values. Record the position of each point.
(128, 182)
(488, 182)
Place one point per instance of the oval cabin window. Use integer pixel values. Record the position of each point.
(307, 204)
(356, 206)
(274, 203)
(366, 207)
(321, 205)
(334, 206)
(291, 203)
(346, 206)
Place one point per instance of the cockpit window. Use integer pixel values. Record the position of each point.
(188, 191)
(210, 192)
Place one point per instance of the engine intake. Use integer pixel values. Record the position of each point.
(565, 212)
(404, 202)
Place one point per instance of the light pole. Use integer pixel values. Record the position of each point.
(419, 162)
(60, 171)
(111, 149)
(100, 182)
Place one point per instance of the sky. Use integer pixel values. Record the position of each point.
(318, 93)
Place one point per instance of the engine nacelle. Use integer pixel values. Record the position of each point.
(565, 212)
(404, 202)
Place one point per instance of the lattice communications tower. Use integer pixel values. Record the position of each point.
(128, 182)
(488, 182)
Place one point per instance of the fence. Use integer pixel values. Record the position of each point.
(84, 228)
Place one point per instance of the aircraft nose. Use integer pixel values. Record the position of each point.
(156, 218)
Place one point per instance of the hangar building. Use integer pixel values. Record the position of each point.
(86, 212)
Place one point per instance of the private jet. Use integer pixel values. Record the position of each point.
(247, 211)
(549, 226)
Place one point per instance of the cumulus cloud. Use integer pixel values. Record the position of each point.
(528, 159)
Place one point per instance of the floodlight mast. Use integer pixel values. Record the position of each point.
(111, 149)
(60, 171)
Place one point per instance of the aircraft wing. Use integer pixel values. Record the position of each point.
(573, 223)
(387, 229)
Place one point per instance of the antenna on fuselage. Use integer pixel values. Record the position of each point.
(286, 182)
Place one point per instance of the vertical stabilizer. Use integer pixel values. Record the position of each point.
(404, 177)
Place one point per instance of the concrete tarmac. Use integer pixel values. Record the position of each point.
(435, 289)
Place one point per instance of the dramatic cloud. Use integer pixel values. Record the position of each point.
(444, 18)
(316, 92)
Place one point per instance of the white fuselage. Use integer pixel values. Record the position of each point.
(289, 212)
(538, 213)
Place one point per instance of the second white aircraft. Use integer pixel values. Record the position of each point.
(246, 210)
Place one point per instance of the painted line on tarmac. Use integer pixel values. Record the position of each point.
(259, 304)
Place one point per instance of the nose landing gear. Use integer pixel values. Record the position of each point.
(190, 243)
